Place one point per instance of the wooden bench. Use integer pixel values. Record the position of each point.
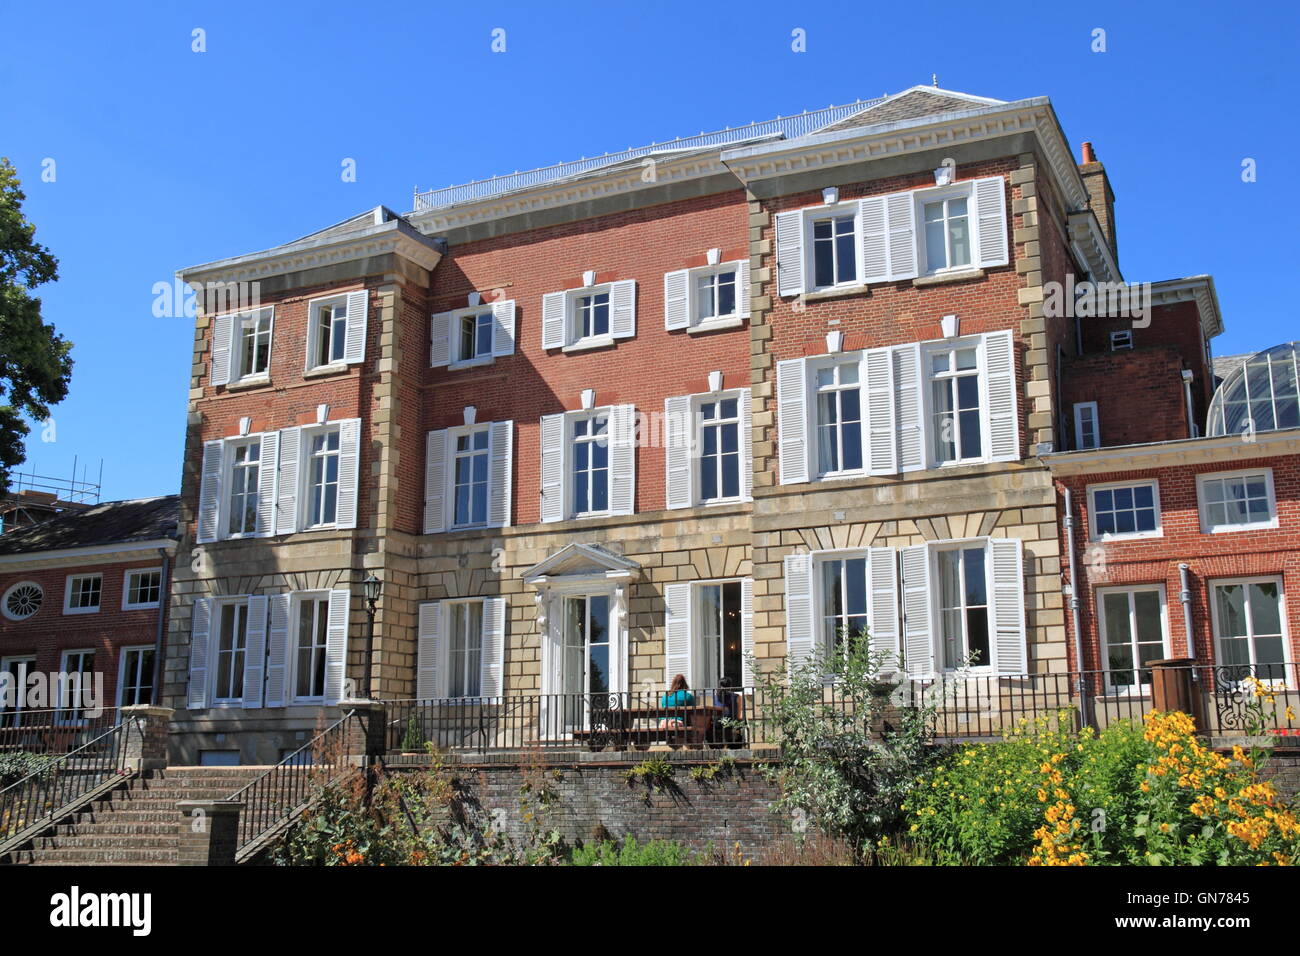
(692, 725)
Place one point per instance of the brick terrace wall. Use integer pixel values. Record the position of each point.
(1273, 551)
(732, 808)
(1139, 394)
(49, 632)
(1283, 769)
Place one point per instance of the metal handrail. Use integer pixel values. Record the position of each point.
(273, 800)
(67, 782)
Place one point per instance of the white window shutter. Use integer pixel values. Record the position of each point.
(427, 651)
(440, 340)
(900, 213)
(501, 456)
(493, 657)
(747, 632)
(882, 575)
(503, 328)
(744, 288)
(555, 307)
(909, 407)
(918, 623)
(747, 443)
(200, 626)
(622, 459)
(882, 430)
(1010, 655)
(277, 650)
(286, 505)
(875, 239)
(267, 474)
(349, 472)
(255, 651)
(553, 437)
(677, 633)
(789, 253)
(799, 623)
(435, 481)
(222, 349)
(1000, 389)
(354, 338)
(622, 309)
(679, 463)
(792, 410)
(336, 645)
(210, 491)
(677, 299)
(991, 226)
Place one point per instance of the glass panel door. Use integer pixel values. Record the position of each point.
(585, 658)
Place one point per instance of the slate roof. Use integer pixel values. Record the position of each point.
(910, 104)
(1225, 365)
(111, 522)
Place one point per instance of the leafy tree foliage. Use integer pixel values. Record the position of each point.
(35, 360)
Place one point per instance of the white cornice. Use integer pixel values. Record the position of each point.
(940, 131)
(1198, 289)
(96, 554)
(390, 237)
(1085, 233)
(1187, 451)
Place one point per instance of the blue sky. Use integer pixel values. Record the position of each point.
(166, 157)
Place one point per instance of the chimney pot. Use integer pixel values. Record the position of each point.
(1088, 155)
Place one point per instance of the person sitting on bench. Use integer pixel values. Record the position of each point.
(679, 695)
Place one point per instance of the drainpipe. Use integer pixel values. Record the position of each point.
(163, 600)
(1187, 398)
(1185, 596)
(1072, 593)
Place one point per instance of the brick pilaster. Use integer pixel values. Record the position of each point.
(207, 833)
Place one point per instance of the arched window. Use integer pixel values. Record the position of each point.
(1260, 395)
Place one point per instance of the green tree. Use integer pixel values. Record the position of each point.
(35, 360)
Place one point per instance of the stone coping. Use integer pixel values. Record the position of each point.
(580, 758)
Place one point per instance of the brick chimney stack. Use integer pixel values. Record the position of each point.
(1101, 199)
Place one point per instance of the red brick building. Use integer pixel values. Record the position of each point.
(688, 409)
(83, 590)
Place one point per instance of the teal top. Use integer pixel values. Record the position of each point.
(677, 698)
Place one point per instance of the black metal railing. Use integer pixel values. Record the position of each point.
(963, 706)
(55, 731)
(56, 784)
(276, 798)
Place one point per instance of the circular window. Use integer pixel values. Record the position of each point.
(23, 600)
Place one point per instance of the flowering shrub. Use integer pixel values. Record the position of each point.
(1132, 795)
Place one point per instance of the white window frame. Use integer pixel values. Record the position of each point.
(981, 375)
(228, 486)
(733, 319)
(448, 607)
(1091, 490)
(814, 413)
(238, 320)
(314, 332)
(1202, 506)
(572, 340)
(820, 558)
(1287, 655)
(307, 435)
(456, 317)
(1137, 689)
(126, 589)
(1082, 410)
(697, 632)
(742, 451)
(4, 600)
(67, 594)
(815, 214)
(924, 197)
(936, 599)
(219, 607)
(570, 446)
(7, 713)
(61, 705)
(322, 601)
(122, 671)
(453, 434)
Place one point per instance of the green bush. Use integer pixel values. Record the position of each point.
(14, 765)
(631, 853)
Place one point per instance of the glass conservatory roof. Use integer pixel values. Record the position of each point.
(1260, 395)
